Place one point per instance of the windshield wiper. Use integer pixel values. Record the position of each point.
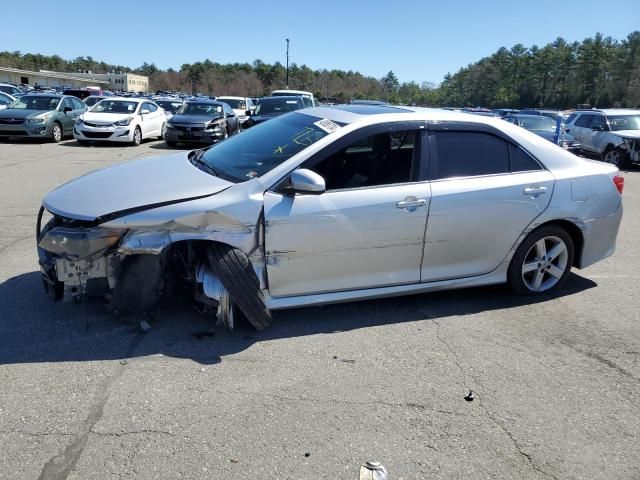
(197, 160)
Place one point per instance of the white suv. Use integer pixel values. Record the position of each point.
(614, 134)
(240, 106)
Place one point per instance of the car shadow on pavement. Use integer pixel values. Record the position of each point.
(98, 144)
(34, 329)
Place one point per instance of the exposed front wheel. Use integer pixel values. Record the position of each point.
(235, 272)
(615, 156)
(56, 132)
(137, 137)
(542, 262)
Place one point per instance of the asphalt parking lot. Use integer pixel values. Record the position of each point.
(87, 396)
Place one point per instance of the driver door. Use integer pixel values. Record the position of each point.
(365, 231)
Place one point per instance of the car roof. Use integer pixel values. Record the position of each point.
(610, 111)
(44, 94)
(294, 92)
(205, 101)
(526, 115)
(231, 98)
(282, 97)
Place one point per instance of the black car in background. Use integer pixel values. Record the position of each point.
(272, 107)
(201, 121)
(552, 114)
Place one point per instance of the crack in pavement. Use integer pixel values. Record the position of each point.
(34, 434)
(490, 415)
(60, 466)
(133, 432)
(599, 358)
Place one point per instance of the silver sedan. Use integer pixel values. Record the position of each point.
(329, 205)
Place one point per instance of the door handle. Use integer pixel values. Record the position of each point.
(535, 191)
(411, 205)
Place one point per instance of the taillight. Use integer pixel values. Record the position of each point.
(618, 181)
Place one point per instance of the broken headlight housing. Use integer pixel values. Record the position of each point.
(80, 243)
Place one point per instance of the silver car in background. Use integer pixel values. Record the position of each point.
(327, 205)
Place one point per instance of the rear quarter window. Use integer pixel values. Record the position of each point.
(466, 154)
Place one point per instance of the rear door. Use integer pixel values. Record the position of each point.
(485, 191)
(581, 130)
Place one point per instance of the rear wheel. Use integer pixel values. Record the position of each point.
(542, 262)
(615, 156)
(137, 137)
(56, 132)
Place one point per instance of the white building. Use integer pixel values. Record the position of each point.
(45, 78)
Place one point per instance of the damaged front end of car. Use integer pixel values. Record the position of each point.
(631, 146)
(132, 268)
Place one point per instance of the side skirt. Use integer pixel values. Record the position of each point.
(499, 275)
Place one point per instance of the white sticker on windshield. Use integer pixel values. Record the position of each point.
(327, 125)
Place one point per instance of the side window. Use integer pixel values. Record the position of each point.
(584, 121)
(380, 159)
(149, 107)
(66, 102)
(465, 154)
(77, 104)
(570, 118)
(598, 121)
(521, 161)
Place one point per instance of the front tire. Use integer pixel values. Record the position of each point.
(615, 156)
(161, 136)
(137, 137)
(542, 262)
(56, 132)
(234, 270)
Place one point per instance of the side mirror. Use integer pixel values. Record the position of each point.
(306, 181)
(67, 109)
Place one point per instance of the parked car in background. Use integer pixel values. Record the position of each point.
(505, 111)
(356, 101)
(307, 97)
(546, 128)
(240, 105)
(91, 100)
(330, 205)
(553, 114)
(613, 134)
(11, 90)
(116, 119)
(170, 105)
(41, 116)
(272, 107)
(6, 99)
(203, 122)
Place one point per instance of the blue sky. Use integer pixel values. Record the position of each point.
(418, 40)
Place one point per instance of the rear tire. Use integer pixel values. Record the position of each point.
(234, 270)
(542, 262)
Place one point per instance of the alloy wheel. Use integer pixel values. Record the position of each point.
(544, 264)
(56, 132)
(613, 157)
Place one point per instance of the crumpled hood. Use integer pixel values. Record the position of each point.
(138, 184)
(635, 134)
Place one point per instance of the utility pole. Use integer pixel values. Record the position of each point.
(287, 63)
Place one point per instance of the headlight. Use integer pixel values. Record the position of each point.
(79, 243)
(168, 126)
(79, 121)
(124, 122)
(213, 126)
(36, 120)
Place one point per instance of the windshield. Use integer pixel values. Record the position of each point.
(234, 103)
(35, 102)
(170, 106)
(270, 106)
(264, 146)
(114, 106)
(624, 122)
(9, 89)
(537, 123)
(207, 109)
